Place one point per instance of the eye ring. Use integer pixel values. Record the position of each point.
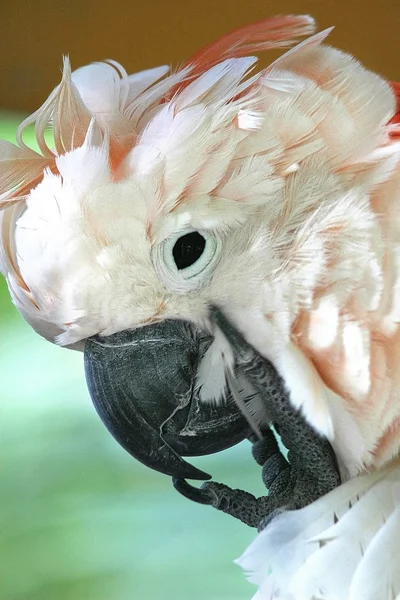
(183, 271)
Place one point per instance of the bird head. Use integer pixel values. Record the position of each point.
(160, 195)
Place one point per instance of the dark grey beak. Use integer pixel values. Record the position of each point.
(142, 384)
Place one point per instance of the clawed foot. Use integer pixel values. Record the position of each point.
(309, 472)
(289, 487)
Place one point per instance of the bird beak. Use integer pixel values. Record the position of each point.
(142, 384)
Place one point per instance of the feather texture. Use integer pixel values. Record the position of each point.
(67, 113)
(20, 169)
(342, 547)
(276, 32)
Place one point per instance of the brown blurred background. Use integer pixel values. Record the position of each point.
(140, 34)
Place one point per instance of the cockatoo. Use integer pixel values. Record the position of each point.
(273, 195)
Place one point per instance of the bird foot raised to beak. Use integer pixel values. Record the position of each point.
(309, 472)
(288, 487)
(143, 385)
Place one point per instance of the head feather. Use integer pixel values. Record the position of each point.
(203, 145)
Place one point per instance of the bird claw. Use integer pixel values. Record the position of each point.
(200, 495)
(309, 472)
(237, 503)
(289, 488)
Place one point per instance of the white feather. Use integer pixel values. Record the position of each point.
(218, 85)
(211, 373)
(215, 166)
(342, 547)
(253, 180)
(86, 167)
(174, 135)
(139, 82)
(324, 323)
(249, 119)
(103, 87)
(250, 402)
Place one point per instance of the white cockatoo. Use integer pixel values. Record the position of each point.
(272, 194)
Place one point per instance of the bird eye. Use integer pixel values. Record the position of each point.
(188, 249)
(186, 260)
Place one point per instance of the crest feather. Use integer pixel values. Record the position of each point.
(275, 32)
(20, 170)
(65, 110)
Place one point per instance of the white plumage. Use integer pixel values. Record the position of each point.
(292, 176)
(342, 547)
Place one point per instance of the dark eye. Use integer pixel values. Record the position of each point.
(188, 249)
(186, 261)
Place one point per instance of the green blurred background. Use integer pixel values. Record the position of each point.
(79, 519)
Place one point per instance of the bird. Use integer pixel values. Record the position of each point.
(269, 193)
